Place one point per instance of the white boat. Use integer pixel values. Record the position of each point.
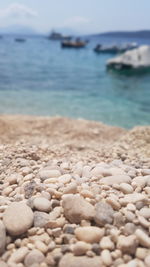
(136, 59)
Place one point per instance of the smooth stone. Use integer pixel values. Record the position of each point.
(115, 179)
(129, 228)
(104, 214)
(42, 204)
(26, 171)
(2, 237)
(71, 189)
(99, 171)
(66, 178)
(69, 260)
(145, 212)
(127, 244)
(40, 219)
(125, 188)
(55, 213)
(116, 171)
(106, 243)
(143, 238)
(12, 179)
(106, 257)
(18, 255)
(80, 248)
(119, 219)
(18, 218)
(140, 181)
(41, 246)
(89, 234)
(76, 208)
(141, 253)
(132, 198)
(35, 256)
(46, 174)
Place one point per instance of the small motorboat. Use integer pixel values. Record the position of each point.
(115, 49)
(73, 44)
(106, 49)
(20, 40)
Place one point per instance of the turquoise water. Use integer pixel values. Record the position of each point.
(39, 78)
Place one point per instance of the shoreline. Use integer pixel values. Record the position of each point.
(80, 137)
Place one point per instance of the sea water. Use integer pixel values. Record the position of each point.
(38, 77)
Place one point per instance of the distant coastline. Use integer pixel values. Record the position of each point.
(30, 32)
(125, 34)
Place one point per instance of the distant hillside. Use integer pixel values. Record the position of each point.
(127, 34)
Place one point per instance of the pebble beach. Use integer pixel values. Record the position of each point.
(73, 193)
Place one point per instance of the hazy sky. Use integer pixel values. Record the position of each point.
(86, 16)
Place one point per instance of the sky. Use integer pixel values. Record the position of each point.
(82, 16)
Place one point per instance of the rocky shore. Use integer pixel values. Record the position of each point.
(73, 193)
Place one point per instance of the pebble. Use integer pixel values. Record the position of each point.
(89, 234)
(143, 238)
(129, 229)
(127, 244)
(76, 208)
(103, 214)
(18, 255)
(22, 218)
(40, 219)
(41, 246)
(70, 189)
(132, 198)
(145, 212)
(26, 171)
(119, 219)
(2, 237)
(42, 204)
(65, 179)
(106, 243)
(141, 253)
(100, 171)
(33, 257)
(115, 179)
(126, 188)
(12, 179)
(106, 257)
(46, 174)
(81, 261)
(114, 203)
(80, 248)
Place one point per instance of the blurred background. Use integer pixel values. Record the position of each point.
(54, 58)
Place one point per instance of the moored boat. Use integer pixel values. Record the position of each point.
(115, 49)
(106, 49)
(73, 44)
(20, 40)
